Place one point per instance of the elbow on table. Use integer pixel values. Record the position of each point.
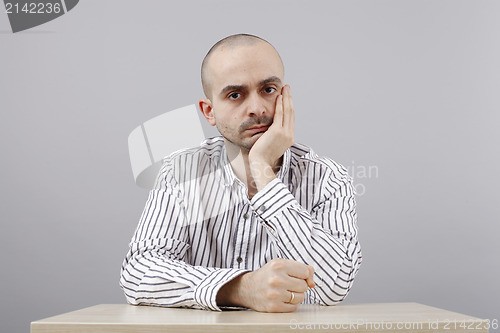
(332, 292)
(129, 287)
(330, 298)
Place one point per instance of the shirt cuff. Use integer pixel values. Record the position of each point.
(272, 199)
(205, 294)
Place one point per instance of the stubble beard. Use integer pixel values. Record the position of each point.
(246, 144)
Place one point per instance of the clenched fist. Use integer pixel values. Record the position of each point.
(270, 288)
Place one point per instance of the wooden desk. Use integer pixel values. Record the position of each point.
(381, 317)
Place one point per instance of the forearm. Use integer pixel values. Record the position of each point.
(335, 260)
(334, 254)
(152, 279)
(156, 269)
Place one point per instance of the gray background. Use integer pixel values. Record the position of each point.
(409, 88)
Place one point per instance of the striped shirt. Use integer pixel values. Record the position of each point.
(199, 229)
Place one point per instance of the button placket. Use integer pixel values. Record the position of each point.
(243, 232)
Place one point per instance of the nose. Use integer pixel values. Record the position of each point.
(256, 105)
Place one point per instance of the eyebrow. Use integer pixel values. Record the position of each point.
(228, 88)
(272, 79)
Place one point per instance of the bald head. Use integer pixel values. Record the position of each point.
(229, 43)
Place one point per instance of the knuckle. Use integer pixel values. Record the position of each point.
(274, 281)
(276, 263)
(272, 294)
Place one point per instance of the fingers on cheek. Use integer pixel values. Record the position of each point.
(279, 102)
(288, 104)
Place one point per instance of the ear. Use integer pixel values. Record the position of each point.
(207, 110)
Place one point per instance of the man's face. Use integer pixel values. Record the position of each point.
(244, 83)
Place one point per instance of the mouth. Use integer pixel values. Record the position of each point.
(258, 129)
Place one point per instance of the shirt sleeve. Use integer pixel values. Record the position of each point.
(321, 232)
(155, 270)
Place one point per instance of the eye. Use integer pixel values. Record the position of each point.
(269, 90)
(234, 96)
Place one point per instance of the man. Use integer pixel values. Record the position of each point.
(249, 219)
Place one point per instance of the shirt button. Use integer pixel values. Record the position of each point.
(262, 208)
(245, 216)
(239, 260)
